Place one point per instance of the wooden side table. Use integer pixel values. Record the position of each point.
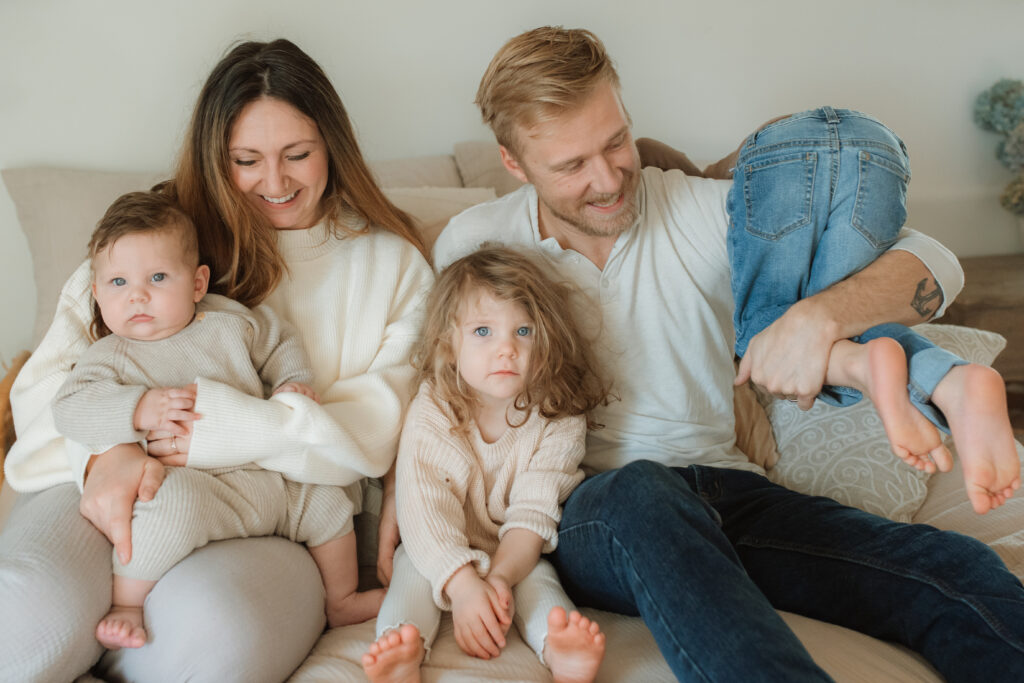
(993, 299)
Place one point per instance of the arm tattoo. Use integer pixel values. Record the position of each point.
(923, 298)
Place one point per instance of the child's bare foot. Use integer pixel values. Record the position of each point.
(973, 399)
(574, 647)
(122, 627)
(395, 657)
(879, 370)
(354, 608)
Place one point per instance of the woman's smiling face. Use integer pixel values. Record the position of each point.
(279, 162)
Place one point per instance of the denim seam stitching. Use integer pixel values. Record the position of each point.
(986, 616)
(814, 142)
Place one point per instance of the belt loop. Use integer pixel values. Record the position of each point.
(830, 115)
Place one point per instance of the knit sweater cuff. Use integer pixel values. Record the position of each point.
(534, 521)
(451, 562)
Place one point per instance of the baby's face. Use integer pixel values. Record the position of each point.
(145, 288)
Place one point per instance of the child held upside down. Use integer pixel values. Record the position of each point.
(490, 449)
(817, 196)
(157, 330)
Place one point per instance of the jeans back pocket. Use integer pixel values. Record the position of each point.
(778, 191)
(881, 206)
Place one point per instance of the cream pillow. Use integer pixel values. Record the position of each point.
(843, 453)
(433, 207)
(479, 164)
(58, 209)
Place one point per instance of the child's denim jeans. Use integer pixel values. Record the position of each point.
(817, 197)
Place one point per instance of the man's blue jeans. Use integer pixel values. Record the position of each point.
(704, 555)
(815, 198)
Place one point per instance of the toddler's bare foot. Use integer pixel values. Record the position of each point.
(395, 657)
(973, 399)
(354, 608)
(912, 437)
(574, 647)
(122, 627)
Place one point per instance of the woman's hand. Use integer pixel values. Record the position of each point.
(170, 449)
(114, 480)
(388, 536)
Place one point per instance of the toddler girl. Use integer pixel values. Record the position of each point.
(490, 449)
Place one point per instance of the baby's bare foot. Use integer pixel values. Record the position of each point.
(354, 608)
(912, 437)
(122, 627)
(973, 399)
(574, 647)
(395, 657)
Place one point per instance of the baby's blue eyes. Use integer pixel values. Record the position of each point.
(523, 331)
(121, 282)
(482, 331)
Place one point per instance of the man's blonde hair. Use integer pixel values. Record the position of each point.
(538, 75)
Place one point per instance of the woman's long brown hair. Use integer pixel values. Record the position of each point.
(235, 240)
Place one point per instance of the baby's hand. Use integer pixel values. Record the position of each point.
(164, 409)
(298, 388)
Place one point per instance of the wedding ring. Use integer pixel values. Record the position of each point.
(792, 399)
(174, 444)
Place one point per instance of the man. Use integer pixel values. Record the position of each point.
(675, 524)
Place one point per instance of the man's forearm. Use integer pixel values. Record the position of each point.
(896, 287)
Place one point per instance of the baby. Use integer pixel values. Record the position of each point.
(157, 331)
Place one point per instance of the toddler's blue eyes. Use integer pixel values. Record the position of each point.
(482, 331)
(158, 277)
(523, 331)
(119, 282)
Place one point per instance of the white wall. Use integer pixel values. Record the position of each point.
(109, 84)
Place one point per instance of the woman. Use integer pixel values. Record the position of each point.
(272, 175)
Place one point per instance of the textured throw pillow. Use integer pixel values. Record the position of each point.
(843, 453)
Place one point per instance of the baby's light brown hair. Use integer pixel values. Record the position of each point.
(562, 379)
(139, 213)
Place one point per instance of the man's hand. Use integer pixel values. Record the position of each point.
(113, 482)
(475, 610)
(164, 409)
(789, 358)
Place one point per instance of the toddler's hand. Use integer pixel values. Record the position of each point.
(474, 613)
(298, 388)
(164, 409)
(505, 600)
